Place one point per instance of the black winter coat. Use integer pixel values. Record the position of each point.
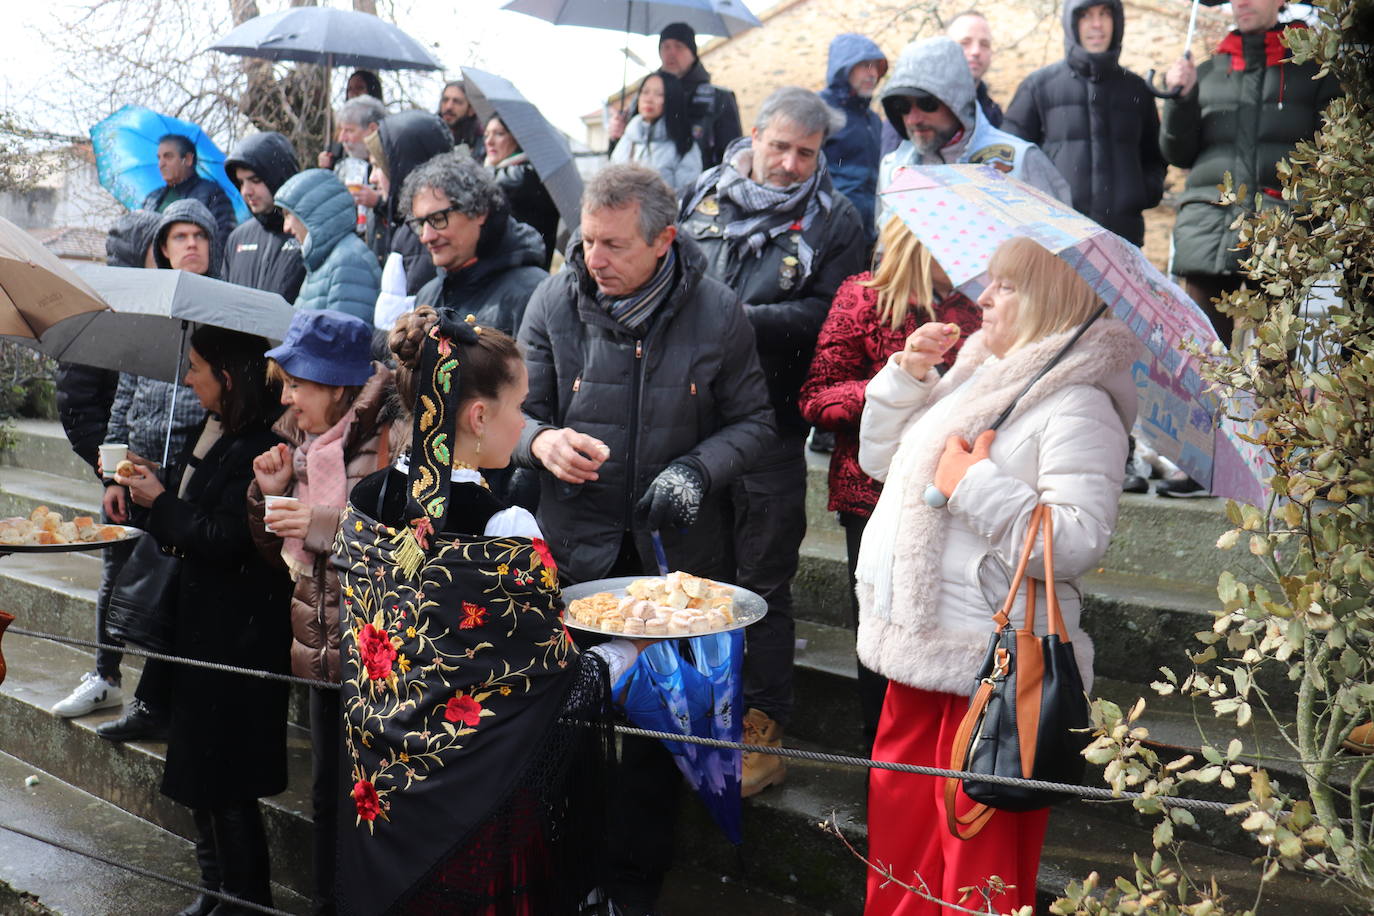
(689, 389)
(1241, 121)
(714, 113)
(1098, 124)
(786, 315)
(228, 731)
(530, 202)
(497, 288)
(203, 190)
(259, 253)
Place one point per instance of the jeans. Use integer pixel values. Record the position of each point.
(112, 560)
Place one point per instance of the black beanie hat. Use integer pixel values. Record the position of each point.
(680, 31)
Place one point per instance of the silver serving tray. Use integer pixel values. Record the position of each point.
(748, 608)
(130, 533)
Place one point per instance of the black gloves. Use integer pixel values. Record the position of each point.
(673, 499)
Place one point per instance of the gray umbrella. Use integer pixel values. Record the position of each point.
(151, 313)
(333, 37)
(546, 148)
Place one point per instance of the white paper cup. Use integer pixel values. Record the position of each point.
(281, 502)
(111, 455)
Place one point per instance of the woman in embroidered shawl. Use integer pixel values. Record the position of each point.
(335, 433)
(472, 790)
(928, 577)
(227, 743)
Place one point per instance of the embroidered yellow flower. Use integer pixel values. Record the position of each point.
(505, 691)
(403, 663)
(502, 569)
(410, 632)
(548, 577)
(349, 591)
(357, 526)
(404, 757)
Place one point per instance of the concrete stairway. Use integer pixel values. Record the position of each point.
(1153, 593)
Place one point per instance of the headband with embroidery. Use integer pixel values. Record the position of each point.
(436, 397)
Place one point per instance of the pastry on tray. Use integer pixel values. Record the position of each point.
(678, 604)
(44, 526)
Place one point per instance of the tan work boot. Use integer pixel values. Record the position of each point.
(761, 770)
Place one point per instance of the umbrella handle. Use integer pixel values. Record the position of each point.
(1161, 92)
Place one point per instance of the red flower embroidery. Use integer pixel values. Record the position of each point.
(545, 555)
(463, 708)
(377, 652)
(474, 615)
(365, 800)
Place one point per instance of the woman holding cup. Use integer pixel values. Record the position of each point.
(335, 432)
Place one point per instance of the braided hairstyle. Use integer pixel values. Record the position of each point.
(486, 366)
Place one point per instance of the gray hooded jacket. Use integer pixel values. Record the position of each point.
(937, 66)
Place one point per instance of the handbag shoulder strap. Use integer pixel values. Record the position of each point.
(967, 825)
(1003, 617)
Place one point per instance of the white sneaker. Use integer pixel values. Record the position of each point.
(94, 692)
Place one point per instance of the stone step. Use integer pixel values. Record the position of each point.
(23, 489)
(71, 884)
(42, 445)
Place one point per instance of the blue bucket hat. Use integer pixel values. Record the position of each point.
(326, 347)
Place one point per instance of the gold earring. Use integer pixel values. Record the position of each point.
(479, 446)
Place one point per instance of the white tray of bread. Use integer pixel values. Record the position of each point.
(660, 607)
(46, 531)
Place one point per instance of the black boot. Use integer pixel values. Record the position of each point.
(209, 864)
(245, 869)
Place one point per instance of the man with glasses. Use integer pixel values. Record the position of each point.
(931, 100)
(488, 263)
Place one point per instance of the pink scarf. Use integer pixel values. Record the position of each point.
(321, 480)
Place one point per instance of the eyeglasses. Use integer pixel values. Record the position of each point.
(437, 220)
(901, 104)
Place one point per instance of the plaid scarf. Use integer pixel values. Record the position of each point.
(767, 212)
(634, 310)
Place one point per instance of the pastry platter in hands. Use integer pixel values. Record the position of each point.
(674, 606)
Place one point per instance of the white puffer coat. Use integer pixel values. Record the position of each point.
(929, 580)
(647, 143)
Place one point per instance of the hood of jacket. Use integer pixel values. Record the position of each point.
(409, 139)
(271, 156)
(129, 238)
(516, 245)
(1092, 66)
(188, 210)
(847, 51)
(324, 207)
(936, 66)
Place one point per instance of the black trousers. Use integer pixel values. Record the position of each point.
(326, 740)
(768, 505)
(112, 560)
(872, 685)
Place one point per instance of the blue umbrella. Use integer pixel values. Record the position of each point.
(126, 156)
(664, 692)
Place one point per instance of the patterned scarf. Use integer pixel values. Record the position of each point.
(767, 212)
(635, 310)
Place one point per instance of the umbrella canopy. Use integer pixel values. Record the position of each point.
(644, 17)
(143, 329)
(329, 36)
(37, 290)
(963, 212)
(125, 146)
(546, 148)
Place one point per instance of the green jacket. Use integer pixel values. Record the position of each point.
(1238, 121)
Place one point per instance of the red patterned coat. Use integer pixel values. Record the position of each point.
(852, 347)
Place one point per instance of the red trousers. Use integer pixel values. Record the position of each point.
(906, 818)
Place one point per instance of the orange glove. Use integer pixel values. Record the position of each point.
(958, 458)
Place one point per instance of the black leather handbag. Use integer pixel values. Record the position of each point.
(142, 610)
(1029, 715)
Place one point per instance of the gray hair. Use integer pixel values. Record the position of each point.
(627, 183)
(803, 108)
(362, 110)
(468, 186)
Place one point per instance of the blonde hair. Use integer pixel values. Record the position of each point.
(1052, 297)
(903, 272)
(275, 373)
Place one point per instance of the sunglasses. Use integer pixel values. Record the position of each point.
(437, 220)
(926, 102)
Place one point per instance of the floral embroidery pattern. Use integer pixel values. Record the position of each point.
(426, 668)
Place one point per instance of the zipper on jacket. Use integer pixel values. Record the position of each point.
(636, 408)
